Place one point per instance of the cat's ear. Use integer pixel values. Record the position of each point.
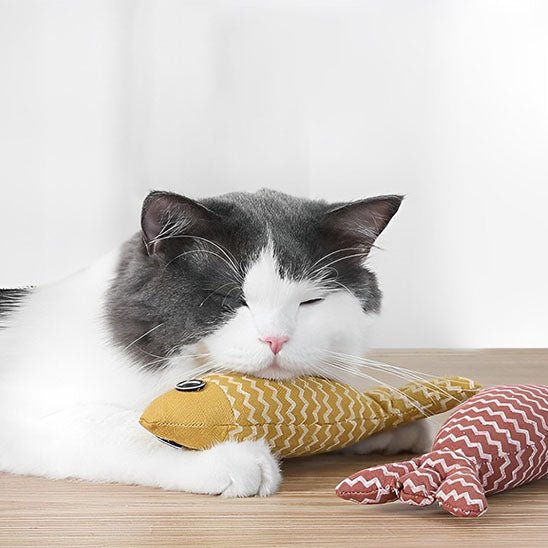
(167, 217)
(358, 224)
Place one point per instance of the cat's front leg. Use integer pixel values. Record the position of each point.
(230, 469)
(105, 444)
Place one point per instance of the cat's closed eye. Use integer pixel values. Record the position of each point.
(311, 301)
(227, 301)
(231, 302)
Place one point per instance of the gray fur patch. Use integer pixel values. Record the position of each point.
(10, 299)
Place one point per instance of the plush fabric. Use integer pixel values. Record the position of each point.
(303, 416)
(495, 441)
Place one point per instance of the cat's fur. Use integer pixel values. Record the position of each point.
(200, 287)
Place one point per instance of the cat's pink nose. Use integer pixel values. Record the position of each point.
(275, 343)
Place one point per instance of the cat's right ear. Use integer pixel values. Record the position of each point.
(168, 218)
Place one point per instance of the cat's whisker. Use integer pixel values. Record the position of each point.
(210, 368)
(145, 366)
(327, 374)
(321, 274)
(322, 271)
(311, 268)
(236, 267)
(378, 366)
(218, 288)
(383, 364)
(432, 386)
(340, 284)
(363, 254)
(200, 372)
(228, 295)
(189, 251)
(206, 368)
(151, 354)
(374, 363)
(401, 372)
(229, 258)
(328, 285)
(142, 336)
(343, 367)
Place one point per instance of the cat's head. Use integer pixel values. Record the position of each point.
(263, 283)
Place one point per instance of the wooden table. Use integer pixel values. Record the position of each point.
(39, 512)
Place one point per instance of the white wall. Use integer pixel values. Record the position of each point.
(63, 135)
(445, 101)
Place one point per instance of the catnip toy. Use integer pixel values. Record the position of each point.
(303, 416)
(495, 441)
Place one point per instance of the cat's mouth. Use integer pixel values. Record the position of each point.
(274, 371)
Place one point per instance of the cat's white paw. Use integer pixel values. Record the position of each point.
(415, 437)
(244, 469)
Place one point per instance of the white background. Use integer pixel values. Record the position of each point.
(445, 101)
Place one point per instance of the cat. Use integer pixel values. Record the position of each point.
(261, 283)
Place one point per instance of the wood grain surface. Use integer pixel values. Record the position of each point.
(40, 512)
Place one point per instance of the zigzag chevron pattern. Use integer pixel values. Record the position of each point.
(495, 441)
(342, 415)
(303, 416)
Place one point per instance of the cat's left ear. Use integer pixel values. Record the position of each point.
(359, 224)
(167, 218)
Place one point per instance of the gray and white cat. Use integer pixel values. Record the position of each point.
(265, 284)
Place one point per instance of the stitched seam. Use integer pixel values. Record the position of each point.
(387, 488)
(347, 421)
